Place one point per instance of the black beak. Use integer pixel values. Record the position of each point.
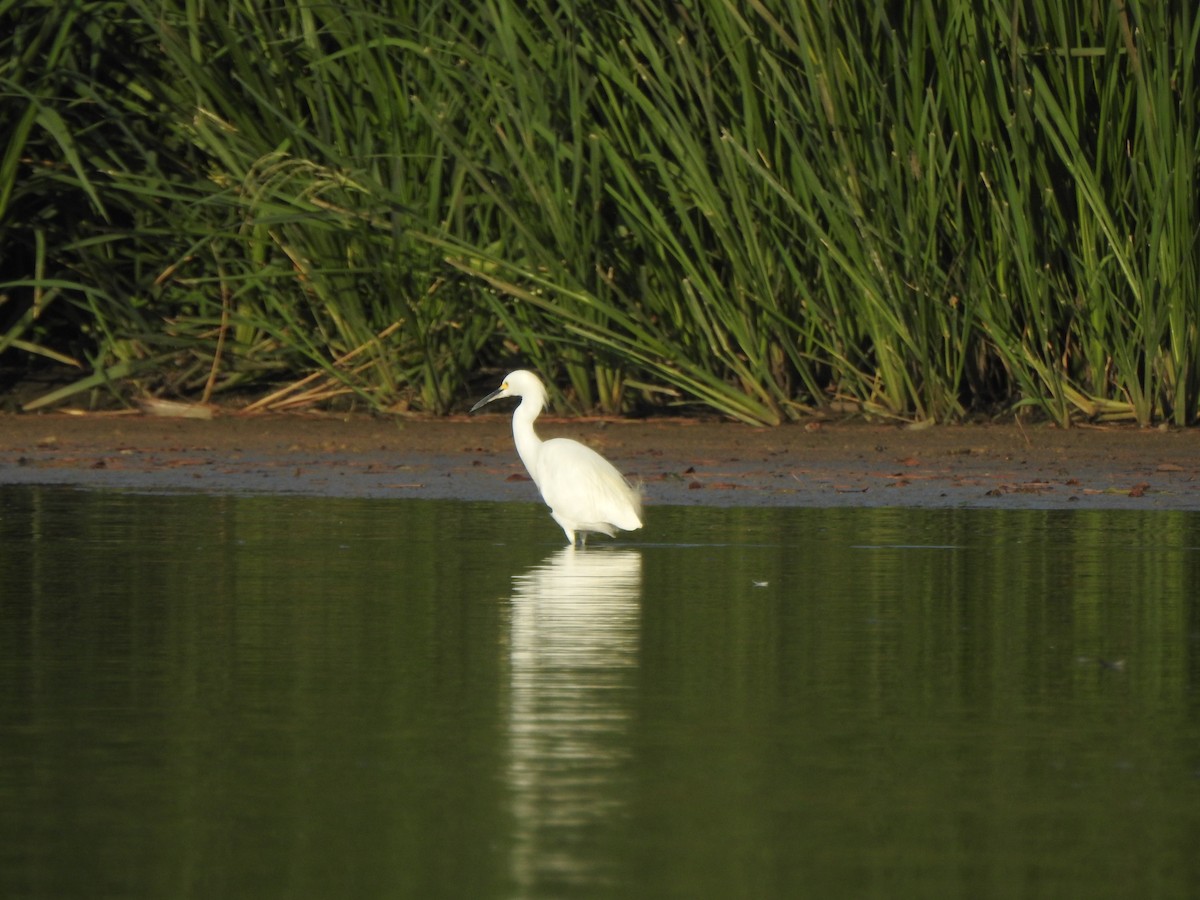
(488, 399)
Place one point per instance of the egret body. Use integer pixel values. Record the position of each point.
(584, 491)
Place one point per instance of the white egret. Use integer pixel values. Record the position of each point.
(584, 490)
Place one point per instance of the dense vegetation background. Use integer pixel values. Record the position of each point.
(918, 209)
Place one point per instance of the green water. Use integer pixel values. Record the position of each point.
(233, 696)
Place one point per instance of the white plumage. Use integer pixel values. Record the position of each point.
(584, 490)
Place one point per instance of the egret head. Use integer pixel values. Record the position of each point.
(520, 383)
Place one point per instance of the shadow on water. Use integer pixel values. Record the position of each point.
(301, 697)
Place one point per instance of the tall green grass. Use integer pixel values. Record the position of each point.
(919, 210)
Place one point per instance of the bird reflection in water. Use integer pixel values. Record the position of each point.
(573, 656)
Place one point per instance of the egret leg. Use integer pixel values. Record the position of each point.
(567, 529)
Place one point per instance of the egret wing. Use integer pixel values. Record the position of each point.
(581, 486)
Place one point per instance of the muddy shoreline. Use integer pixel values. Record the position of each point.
(680, 462)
